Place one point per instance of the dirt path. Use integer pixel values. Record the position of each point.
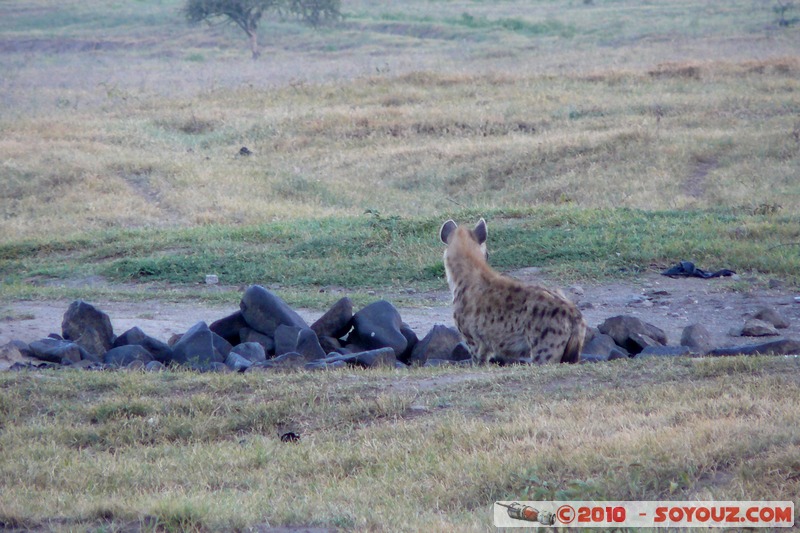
(670, 304)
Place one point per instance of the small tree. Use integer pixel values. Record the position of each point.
(781, 8)
(247, 13)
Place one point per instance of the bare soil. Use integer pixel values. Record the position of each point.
(671, 304)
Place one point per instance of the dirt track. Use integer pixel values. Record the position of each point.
(670, 304)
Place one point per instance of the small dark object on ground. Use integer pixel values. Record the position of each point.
(687, 269)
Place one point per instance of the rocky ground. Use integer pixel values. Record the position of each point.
(671, 304)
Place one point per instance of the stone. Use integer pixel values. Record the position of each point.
(411, 341)
(382, 357)
(88, 327)
(55, 351)
(154, 366)
(630, 332)
(291, 360)
(216, 368)
(330, 344)
(697, 338)
(308, 345)
(618, 354)
(229, 327)
(663, 351)
(286, 338)
(758, 328)
(248, 334)
(439, 343)
(447, 362)
(134, 365)
(378, 326)
(779, 347)
(16, 352)
(772, 316)
(601, 345)
(196, 348)
(337, 321)
(124, 355)
(322, 365)
(264, 311)
(222, 346)
(641, 341)
(461, 353)
(252, 351)
(238, 362)
(160, 351)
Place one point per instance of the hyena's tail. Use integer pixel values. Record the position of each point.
(572, 351)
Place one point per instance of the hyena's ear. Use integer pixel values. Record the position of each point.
(447, 228)
(480, 231)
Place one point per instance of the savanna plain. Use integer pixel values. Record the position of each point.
(601, 140)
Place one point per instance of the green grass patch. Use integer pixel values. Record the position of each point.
(376, 251)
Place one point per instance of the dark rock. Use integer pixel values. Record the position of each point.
(56, 351)
(630, 332)
(252, 351)
(222, 346)
(382, 357)
(159, 350)
(411, 341)
(263, 366)
(289, 360)
(229, 327)
(330, 344)
(758, 328)
(439, 343)
(134, 365)
(322, 365)
(238, 362)
(590, 358)
(124, 355)
(308, 345)
(378, 326)
(264, 311)
(697, 338)
(618, 354)
(663, 351)
(641, 341)
(216, 368)
(337, 321)
(16, 352)
(461, 353)
(780, 347)
(286, 338)
(250, 335)
(196, 348)
(85, 364)
(601, 345)
(132, 336)
(154, 366)
(88, 327)
(773, 317)
(446, 362)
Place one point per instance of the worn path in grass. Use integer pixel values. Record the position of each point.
(671, 304)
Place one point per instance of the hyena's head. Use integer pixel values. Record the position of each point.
(463, 245)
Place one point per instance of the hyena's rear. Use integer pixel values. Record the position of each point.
(501, 318)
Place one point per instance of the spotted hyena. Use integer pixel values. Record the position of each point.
(502, 319)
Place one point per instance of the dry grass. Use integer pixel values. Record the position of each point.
(387, 451)
(469, 108)
(719, 136)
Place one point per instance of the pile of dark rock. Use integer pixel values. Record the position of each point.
(623, 337)
(264, 335)
(267, 335)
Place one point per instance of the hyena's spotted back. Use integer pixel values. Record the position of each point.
(501, 318)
